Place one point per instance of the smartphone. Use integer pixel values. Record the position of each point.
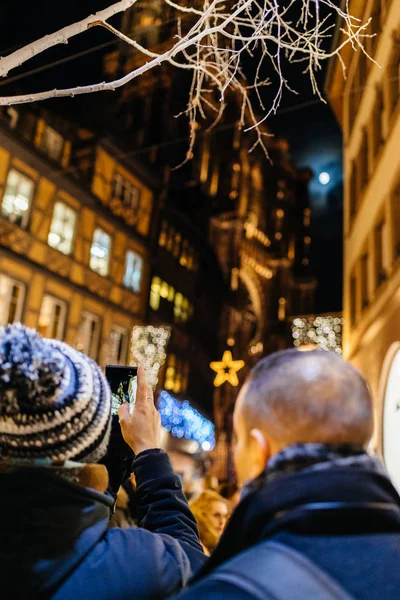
(123, 384)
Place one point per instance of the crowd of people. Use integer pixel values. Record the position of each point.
(91, 508)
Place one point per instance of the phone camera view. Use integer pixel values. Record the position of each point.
(123, 384)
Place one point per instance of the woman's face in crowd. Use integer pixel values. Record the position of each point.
(218, 516)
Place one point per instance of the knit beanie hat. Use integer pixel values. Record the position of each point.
(55, 402)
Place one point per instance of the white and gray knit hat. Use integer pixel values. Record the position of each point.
(55, 402)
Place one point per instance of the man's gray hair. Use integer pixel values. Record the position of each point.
(300, 397)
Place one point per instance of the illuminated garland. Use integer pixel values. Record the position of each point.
(183, 421)
(321, 332)
(148, 349)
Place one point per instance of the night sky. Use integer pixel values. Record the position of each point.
(307, 124)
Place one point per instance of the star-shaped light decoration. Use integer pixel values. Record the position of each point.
(227, 369)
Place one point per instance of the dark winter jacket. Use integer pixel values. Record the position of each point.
(359, 549)
(55, 542)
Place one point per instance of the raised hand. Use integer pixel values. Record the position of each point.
(141, 429)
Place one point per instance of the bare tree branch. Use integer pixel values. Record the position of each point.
(221, 33)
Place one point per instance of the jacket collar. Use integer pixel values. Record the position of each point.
(255, 519)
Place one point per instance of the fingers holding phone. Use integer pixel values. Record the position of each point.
(141, 428)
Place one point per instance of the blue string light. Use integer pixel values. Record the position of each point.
(183, 421)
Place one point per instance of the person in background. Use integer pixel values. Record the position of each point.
(230, 491)
(211, 513)
(319, 518)
(55, 421)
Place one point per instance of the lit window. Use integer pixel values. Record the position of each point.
(190, 259)
(100, 252)
(162, 240)
(118, 346)
(133, 271)
(88, 337)
(185, 310)
(62, 229)
(17, 198)
(282, 309)
(178, 306)
(176, 374)
(11, 300)
(170, 372)
(177, 245)
(155, 293)
(171, 294)
(127, 192)
(52, 143)
(52, 318)
(184, 256)
(164, 290)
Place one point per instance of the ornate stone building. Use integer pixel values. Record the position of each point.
(74, 226)
(252, 212)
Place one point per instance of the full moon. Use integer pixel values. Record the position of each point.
(324, 178)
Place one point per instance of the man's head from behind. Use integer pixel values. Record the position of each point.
(299, 397)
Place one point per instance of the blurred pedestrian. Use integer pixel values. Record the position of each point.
(319, 517)
(211, 513)
(55, 416)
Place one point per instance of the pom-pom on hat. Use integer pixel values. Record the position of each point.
(55, 402)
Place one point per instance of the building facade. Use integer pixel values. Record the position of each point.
(74, 226)
(367, 106)
(251, 211)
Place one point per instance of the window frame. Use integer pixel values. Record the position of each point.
(65, 204)
(138, 258)
(90, 317)
(125, 335)
(103, 232)
(26, 216)
(21, 301)
(56, 134)
(62, 325)
(125, 185)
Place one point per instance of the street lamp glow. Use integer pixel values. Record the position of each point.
(324, 178)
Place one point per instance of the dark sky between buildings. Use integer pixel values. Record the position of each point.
(307, 124)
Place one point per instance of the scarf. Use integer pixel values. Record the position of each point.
(295, 476)
(315, 456)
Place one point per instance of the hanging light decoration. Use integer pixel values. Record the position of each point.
(149, 349)
(324, 332)
(227, 369)
(183, 421)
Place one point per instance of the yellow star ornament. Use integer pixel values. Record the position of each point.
(227, 369)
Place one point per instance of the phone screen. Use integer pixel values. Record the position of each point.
(123, 384)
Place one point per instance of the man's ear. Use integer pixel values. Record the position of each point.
(261, 449)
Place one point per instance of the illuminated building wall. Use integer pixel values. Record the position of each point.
(73, 226)
(367, 105)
